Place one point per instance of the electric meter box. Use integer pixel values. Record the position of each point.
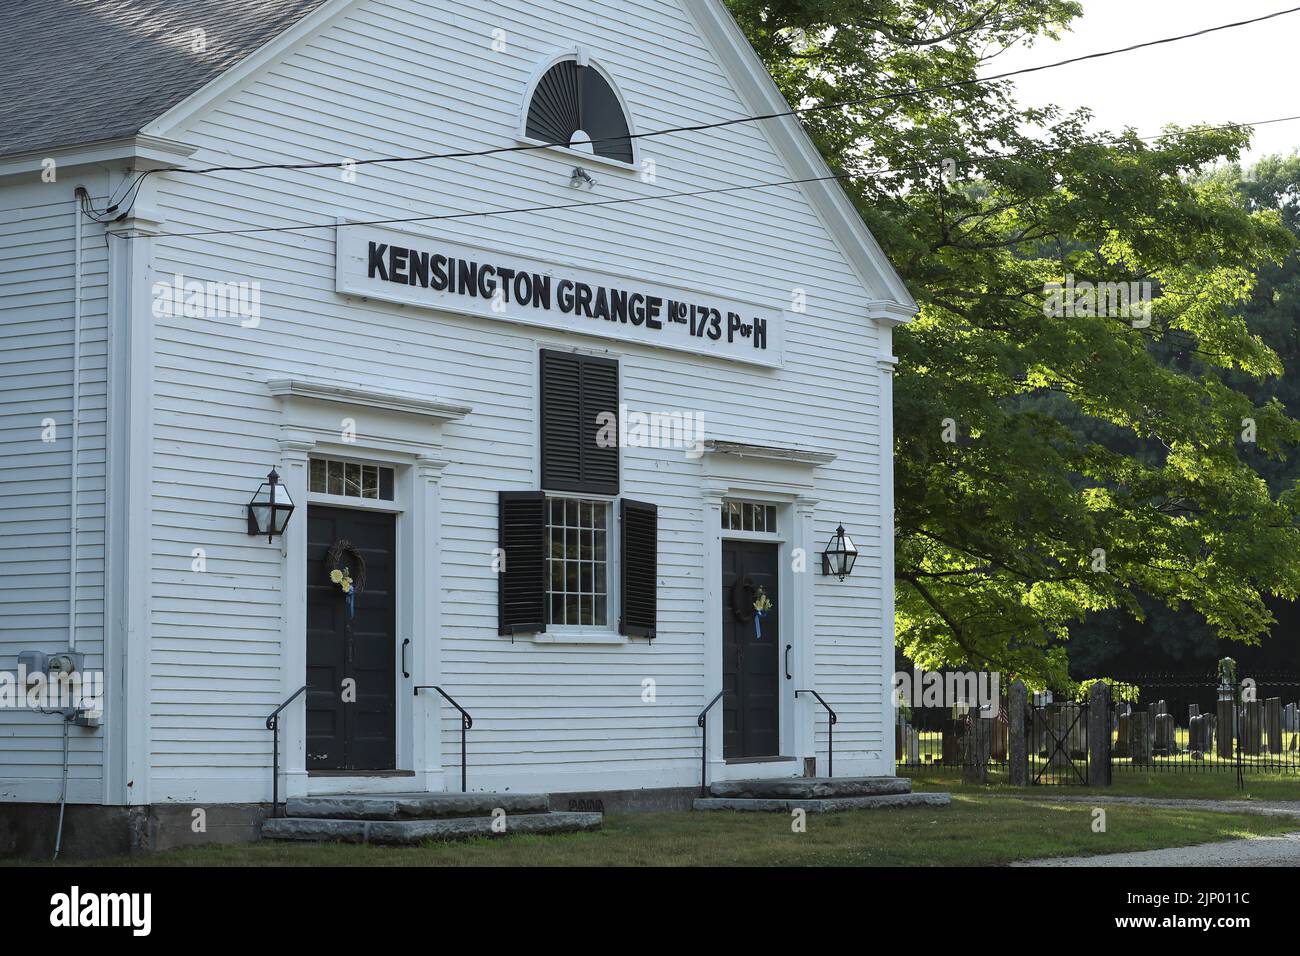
(64, 662)
(51, 665)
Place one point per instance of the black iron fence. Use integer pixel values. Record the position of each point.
(1175, 725)
(1182, 725)
(937, 737)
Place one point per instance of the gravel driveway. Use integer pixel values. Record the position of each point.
(1281, 850)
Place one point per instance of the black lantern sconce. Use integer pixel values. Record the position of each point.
(839, 556)
(268, 512)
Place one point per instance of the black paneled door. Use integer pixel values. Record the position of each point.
(751, 676)
(352, 656)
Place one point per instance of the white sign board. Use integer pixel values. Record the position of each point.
(394, 266)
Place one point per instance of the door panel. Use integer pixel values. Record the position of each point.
(751, 664)
(360, 735)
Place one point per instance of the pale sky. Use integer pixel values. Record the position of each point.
(1239, 75)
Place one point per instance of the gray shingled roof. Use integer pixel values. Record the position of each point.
(81, 71)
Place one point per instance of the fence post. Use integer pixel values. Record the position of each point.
(1099, 735)
(1017, 744)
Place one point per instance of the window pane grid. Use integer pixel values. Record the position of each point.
(348, 479)
(748, 516)
(577, 570)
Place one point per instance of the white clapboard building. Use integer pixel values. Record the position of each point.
(576, 422)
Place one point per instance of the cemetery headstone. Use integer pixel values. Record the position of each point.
(1252, 728)
(1195, 729)
(1273, 724)
(1121, 735)
(998, 744)
(1165, 744)
(1223, 724)
(951, 743)
(1139, 739)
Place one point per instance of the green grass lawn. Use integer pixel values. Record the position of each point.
(976, 830)
(1189, 785)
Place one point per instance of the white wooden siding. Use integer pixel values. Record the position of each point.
(36, 372)
(401, 77)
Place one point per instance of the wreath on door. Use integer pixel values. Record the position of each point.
(346, 569)
(749, 602)
(742, 599)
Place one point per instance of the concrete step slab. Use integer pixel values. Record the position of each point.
(409, 832)
(825, 805)
(810, 788)
(414, 806)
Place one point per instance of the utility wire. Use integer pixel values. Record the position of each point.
(793, 112)
(486, 213)
(481, 213)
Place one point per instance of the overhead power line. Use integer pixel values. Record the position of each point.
(480, 213)
(700, 127)
(599, 203)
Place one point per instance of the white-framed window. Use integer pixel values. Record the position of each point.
(756, 516)
(350, 479)
(579, 550)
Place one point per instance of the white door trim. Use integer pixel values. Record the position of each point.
(403, 431)
(786, 479)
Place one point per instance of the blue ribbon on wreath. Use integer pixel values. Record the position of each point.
(758, 624)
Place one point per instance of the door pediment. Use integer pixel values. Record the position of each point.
(315, 412)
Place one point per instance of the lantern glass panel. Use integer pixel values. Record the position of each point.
(282, 509)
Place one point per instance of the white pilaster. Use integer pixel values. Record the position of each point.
(426, 614)
(886, 364)
(805, 629)
(712, 508)
(293, 468)
(129, 531)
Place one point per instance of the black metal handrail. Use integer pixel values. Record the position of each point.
(466, 722)
(830, 731)
(702, 722)
(273, 725)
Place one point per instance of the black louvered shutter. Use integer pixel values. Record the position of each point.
(521, 586)
(576, 390)
(640, 568)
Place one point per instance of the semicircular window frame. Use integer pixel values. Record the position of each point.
(566, 88)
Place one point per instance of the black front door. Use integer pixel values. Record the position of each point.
(751, 659)
(351, 656)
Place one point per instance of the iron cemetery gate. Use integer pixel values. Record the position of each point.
(1057, 741)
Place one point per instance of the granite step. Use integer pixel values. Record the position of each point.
(414, 806)
(413, 831)
(810, 788)
(825, 804)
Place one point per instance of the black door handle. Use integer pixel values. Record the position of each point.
(788, 675)
(404, 671)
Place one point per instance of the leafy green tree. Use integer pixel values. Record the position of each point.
(1049, 463)
(1180, 640)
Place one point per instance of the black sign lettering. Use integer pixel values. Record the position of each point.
(377, 251)
(452, 275)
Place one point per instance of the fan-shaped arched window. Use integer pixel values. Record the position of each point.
(574, 105)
